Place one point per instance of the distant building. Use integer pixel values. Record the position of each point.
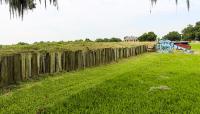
(130, 39)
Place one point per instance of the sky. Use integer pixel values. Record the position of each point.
(80, 19)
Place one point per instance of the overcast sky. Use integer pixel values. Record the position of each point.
(93, 19)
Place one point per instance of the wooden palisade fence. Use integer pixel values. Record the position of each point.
(23, 66)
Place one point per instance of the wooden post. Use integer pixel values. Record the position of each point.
(52, 62)
(58, 62)
(35, 64)
(17, 68)
(67, 61)
(47, 63)
(23, 66)
(42, 63)
(4, 72)
(10, 69)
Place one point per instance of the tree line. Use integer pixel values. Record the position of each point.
(80, 40)
(99, 40)
(190, 33)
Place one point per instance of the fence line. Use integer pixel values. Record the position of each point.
(23, 66)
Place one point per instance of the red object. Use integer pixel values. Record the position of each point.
(183, 45)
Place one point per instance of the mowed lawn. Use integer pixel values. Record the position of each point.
(149, 83)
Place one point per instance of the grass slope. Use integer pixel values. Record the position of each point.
(168, 85)
(150, 83)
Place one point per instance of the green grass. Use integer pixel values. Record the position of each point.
(150, 83)
(195, 46)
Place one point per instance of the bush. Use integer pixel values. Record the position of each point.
(197, 36)
(150, 36)
(99, 40)
(115, 40)
(108, 40)
(22, 43)
(88, 40)
(78, 40)
(191, 32)
(173, 36)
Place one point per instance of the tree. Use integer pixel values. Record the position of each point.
(150, 36)
(173, 36)
(198, 23)
(197, 36)
(108, 40)
(80, 40)
(115, 40)
(188, 33)
(99, 40)
(22, 43)
(88, 40)
(191, 32)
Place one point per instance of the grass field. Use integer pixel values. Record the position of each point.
(149, 83)
(195, 46)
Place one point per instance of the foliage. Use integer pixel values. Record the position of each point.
(173, 36)
(129, 86)
(22, 43)
(108, 40)
(80, 40)
(88, 40)
(150, 36)
(197, 36)
(99, 40)
(191, 32)
(115, 40)
(188, 33)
